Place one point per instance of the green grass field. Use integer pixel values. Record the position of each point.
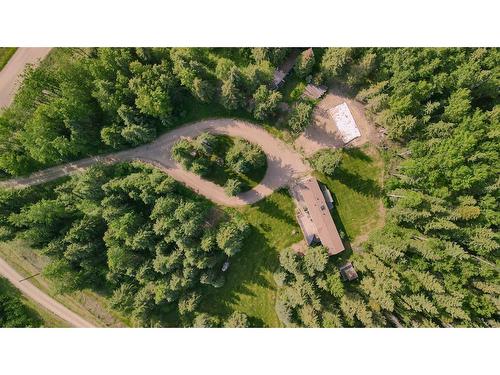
(5, 54)
(250, 287)
(356, 190)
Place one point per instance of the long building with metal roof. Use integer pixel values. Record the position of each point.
(314, 215)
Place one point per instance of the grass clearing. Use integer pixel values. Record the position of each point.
(88, 304)
(357, 192)
(5, 55)
(250, 287)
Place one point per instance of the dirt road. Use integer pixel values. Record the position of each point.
(10, 74)
(41, 298)
(284, 164)
(9, 83)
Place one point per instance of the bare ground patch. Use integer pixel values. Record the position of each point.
(322, 133)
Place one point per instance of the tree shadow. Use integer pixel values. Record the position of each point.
(255, 322)
(272, 209)
(358, 154)
(342, 257)
(246, 269)
(356, 182)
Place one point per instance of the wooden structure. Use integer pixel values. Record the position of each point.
(348, 272)
(314, 92)
(285, 68)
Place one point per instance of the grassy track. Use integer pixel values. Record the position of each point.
(5, 54)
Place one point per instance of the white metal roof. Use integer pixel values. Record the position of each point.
(345, 122)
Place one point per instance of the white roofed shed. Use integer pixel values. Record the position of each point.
(345, 122)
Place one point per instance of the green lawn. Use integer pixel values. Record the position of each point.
(5, 54)
(250, 287)
(356, 189)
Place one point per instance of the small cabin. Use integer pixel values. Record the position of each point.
(348, 272)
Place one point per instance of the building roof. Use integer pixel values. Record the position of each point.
(314, 92)
(308, 53)
(311, 203)
(348, 272)
(307, 227)
(278, 77)
(345, 122)
(284, 69)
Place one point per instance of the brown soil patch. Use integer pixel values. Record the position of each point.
(322, 133)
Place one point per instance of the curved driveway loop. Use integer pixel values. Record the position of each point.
(283, 163)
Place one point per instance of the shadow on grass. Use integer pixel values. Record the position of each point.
(358, 154)
(247, 269)
(272, 209)
(357, 183)
(255, 322)
(343, 256)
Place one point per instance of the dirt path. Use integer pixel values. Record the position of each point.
(9, 82)
(10, 74)
(284, 164)
(41, 298)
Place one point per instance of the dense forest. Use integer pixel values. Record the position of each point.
(134, 232)
(435, 263)
(100, 99)
(234, 163)
(128, 231)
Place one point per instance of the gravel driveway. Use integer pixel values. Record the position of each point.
(283, 163)
(10, 74)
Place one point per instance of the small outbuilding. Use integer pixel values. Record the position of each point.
(279, 78)
(348, 272)
(285, 68)
(313, 91)
(344, 122)
(327, 195)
